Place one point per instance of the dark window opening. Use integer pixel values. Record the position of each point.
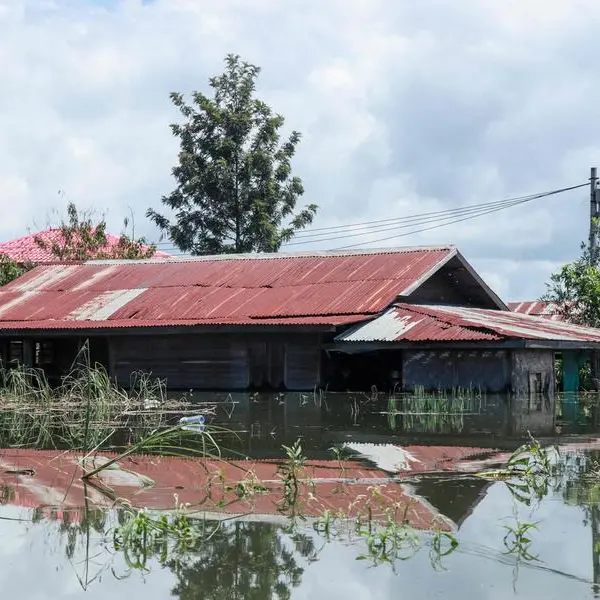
(44, 353)
(369, 371)
(15, 353)
(266, 362)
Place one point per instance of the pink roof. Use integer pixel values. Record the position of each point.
(319, 289)
(418, 323)
(27, 250)
(536, 308)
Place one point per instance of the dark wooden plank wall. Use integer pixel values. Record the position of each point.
(533, 376)
(302, 366)
(186, 362)
(439, 289)
(220, 361)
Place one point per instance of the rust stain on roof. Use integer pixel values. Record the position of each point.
(324, 289)
(428, 323)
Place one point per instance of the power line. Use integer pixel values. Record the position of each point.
(411, 222)
(442, 218)
(492, 210)
(419, 216)
(471, 210)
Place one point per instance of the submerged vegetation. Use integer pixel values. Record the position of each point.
(434, 411)
(86, 410)
(378, 518)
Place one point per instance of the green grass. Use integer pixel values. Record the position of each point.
(84, 411)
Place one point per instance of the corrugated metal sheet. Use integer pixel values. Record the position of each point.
(270, 289)
(413, 324)
(26, 249)
(536, 308)
(416, 323)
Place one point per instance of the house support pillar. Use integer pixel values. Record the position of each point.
(570, 367)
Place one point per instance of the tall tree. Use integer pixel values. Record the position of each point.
(235, 189)
(82, 237)
(574, 290)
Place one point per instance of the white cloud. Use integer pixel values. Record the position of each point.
(405, 107)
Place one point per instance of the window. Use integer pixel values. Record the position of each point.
(15, 353)
(44, 353)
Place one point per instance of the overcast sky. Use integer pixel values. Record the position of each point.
(406, 107)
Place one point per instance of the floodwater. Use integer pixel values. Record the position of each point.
(57, 536)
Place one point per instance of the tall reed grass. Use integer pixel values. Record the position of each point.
(85, 411)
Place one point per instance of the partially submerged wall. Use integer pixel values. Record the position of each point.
(488, 370)
(533, 389)
(220, 361)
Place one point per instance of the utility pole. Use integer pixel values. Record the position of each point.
(594, 215)
(593, 258)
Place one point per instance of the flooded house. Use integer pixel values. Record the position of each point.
(400, 319)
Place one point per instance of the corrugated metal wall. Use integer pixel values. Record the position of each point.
(221, 361)
(488, 370)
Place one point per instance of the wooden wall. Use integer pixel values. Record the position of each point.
(220, 361)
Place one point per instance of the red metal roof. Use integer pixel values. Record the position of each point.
(319, 289)
(536, 308)
(27, 250)
(417, 323)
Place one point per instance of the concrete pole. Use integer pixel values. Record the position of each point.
(593, 243)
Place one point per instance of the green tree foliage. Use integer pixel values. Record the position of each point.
(245, 561)
(10, 270)
(84, 238)
(235, 189)
(574, 291)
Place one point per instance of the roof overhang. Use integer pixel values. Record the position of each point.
(557, 346)
(104, 331)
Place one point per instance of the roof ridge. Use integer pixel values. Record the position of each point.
(284, 255)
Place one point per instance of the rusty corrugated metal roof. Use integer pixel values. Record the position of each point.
(418, 323)
(537, 308)
(26, 250)
(283, 289)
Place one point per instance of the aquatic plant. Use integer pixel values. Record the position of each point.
(443, 544)
(527, 473)
(143, 534)
(290, 473)
(517, 540)
(433, 411)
